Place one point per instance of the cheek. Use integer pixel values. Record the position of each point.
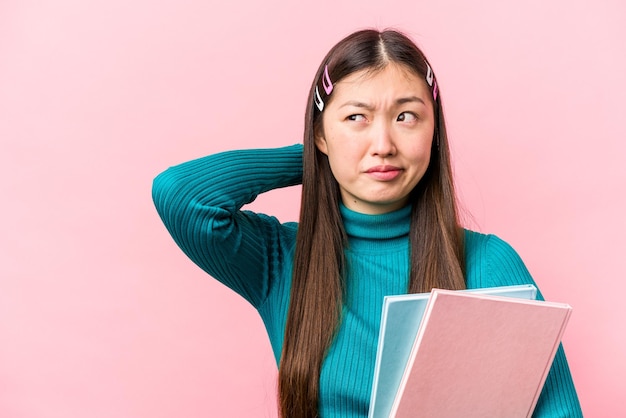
(341, 144)
(420, 151)
(345, 155)
(344, 159)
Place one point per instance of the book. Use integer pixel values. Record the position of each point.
(478, 355)
(400, 321)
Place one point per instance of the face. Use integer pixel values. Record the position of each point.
(377, 133)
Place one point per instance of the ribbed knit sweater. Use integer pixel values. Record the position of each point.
(200, 203)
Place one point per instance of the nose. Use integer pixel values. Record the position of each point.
(382, 144)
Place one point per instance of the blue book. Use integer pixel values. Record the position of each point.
(400, 321)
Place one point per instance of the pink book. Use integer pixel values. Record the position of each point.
(480, 356)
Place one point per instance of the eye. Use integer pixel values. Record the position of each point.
(356, 118)
(407, 117)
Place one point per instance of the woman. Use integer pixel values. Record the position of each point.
(378, 217)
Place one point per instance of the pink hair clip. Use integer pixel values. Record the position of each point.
(328, 88)
(328, 85)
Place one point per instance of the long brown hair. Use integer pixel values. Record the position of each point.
(437, 258)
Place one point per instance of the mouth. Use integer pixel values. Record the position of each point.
(384, 172)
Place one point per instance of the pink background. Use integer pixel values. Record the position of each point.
(102, 316)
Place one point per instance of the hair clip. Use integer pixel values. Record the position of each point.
(318, 100)
(429, 75)
(328, 88)
(430, 79)
(328, 85)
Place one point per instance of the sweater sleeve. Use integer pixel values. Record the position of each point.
(558, 397)
(200, 204)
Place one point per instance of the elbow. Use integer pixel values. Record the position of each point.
(165, 188)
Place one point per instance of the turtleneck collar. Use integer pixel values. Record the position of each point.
(387, 226)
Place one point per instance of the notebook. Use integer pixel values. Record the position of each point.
(478, 355)
(400, 321)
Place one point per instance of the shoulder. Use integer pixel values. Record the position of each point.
(478, 245)
(491, 261)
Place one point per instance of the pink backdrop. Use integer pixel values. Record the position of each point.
(102, 316)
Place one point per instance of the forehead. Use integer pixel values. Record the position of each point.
(392, 79)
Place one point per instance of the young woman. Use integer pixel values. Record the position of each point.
(378, 217)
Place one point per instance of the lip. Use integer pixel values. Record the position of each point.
(384, 172)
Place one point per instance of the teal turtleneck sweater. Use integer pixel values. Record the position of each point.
(200, 204)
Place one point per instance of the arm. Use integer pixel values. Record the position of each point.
(558, 397)
(200, 204)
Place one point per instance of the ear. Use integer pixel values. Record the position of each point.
(320, 143)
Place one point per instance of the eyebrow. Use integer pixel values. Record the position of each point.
(400, 101)
(410, 99)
